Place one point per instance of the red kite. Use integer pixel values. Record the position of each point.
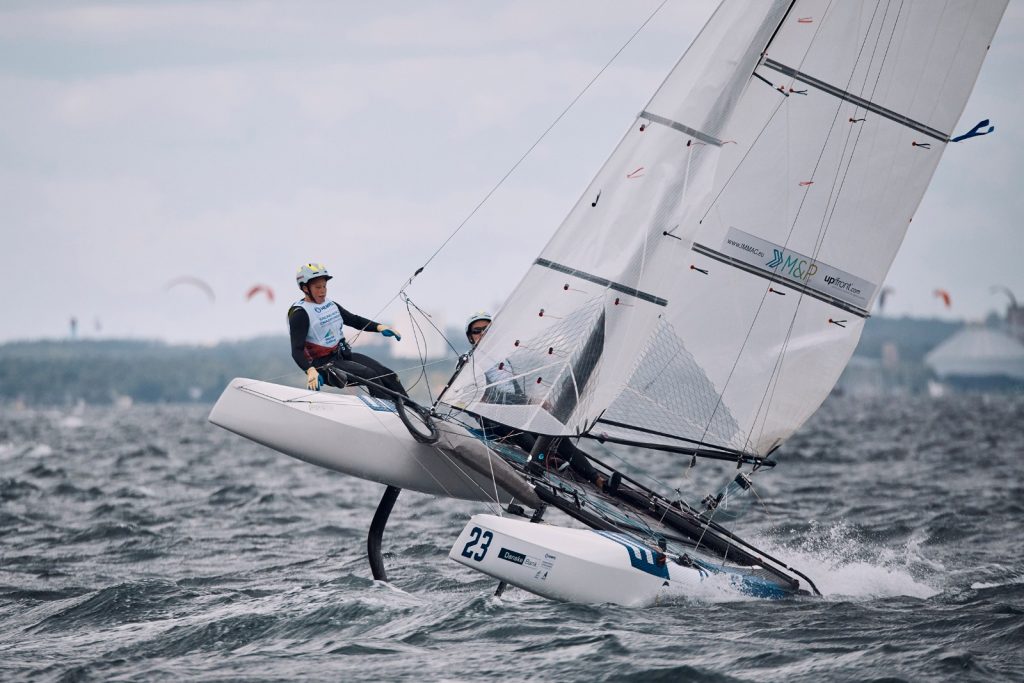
(256, 289)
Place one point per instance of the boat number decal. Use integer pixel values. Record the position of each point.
(475, 536)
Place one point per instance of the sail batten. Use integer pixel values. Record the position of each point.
(598, 280)
(867, 105)
(773, 276)
(682, 128)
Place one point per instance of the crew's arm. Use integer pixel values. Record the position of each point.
(361, 323)
(357, 321)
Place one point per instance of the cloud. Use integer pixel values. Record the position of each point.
(145, 140)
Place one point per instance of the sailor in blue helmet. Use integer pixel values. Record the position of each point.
(504, 387)
(318, 341)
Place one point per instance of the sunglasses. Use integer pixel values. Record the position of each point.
(478, 330)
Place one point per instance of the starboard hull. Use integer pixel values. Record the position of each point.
(591, 567)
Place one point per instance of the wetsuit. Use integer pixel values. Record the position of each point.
(318, 341)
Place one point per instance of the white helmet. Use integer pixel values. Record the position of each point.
(475, 318)
(311, 271)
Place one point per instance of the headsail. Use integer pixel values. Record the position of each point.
(712, 283)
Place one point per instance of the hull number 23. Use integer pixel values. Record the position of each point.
(475, 536)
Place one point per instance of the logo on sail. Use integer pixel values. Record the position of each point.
(796, 267)
(793, 266)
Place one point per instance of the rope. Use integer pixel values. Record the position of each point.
(421, 352)
(521, 159)
(429, 319)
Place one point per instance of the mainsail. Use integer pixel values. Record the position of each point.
(712, 282)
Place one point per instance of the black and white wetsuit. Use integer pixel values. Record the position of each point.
(318, 340)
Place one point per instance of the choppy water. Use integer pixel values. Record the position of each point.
(147, 544)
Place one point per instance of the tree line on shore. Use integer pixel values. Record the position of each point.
(105, 371)
(102, 372)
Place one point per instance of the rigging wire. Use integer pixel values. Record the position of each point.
(834, 193)
(630, 466)
(430, 320)
(796, 217)
(421, 352)
(521, 159)
(714, 204)
(760, 500)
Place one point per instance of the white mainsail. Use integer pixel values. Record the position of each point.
(712, 283)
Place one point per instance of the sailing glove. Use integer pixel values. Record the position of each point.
(313, 379)
(388, 332)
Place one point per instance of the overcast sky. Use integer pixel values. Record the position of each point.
(232, 141)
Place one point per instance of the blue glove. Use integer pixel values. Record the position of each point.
(388, 332)
(313, 380)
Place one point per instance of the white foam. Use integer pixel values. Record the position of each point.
(1009, 581)
(843, 566)
(40, 450)
(71, 422)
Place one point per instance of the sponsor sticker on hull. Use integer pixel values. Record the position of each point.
(377, 404)
(511, 556)
(546, 565)
(541, 566)
(796, 267)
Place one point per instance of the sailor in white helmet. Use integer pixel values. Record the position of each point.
(477, 325)
(318, 341)
(504, 387)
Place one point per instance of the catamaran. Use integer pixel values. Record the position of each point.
(700, 299)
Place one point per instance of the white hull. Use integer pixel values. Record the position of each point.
(592, 567)
(574, 565)
(365, 438)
